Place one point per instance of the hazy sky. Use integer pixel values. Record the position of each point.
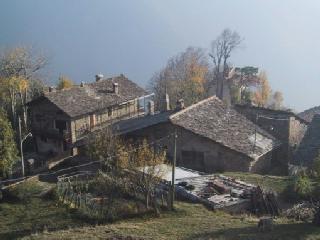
(136, 37)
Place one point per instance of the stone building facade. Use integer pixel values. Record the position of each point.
(211, 138)
(60, 119)
(309, 148)
(284, 125)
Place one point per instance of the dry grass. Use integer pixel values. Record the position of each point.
(44, 219)
(189, 221)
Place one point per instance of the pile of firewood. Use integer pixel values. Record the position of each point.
(302, 212)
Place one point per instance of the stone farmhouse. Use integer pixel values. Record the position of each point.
(60, 119)
(286, 126)
(309, 148)
(211, 137)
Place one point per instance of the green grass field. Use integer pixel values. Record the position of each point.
(39, 218)
(189, 221)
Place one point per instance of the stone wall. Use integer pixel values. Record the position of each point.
(283, 125)
(309, 147)
(47, 137)
(205, 155)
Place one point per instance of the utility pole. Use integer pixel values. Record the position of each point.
(255, 132)
(21, 149)
(174, 168)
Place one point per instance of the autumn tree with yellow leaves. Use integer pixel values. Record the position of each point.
(64, 83)
(141, 162)
(184, 77)
(261, 96)
(20, 80)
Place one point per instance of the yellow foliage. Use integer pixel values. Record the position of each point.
(262, 95)
(23, 85)
(197, 74)
(64, 83)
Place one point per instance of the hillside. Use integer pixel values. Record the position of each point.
(42, 218)
(190, 221)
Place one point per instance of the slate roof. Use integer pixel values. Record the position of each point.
(212, 119)
(308, 114)
(77, 101)
(273, 112)
(133, 124)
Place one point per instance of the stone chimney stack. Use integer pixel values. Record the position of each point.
(151, 107)
(165, 103)
(52, 89)
(99, 77)
(180, 104)
(115, 87)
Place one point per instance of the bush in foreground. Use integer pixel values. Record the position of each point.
(299, 189)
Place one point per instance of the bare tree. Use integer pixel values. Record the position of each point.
(149, 161)
(221, 50)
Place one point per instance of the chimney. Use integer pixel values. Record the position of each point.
(164, 103)
(115, 87)
(52, 89)
(180, 104)
(167, 103)
(99, 77)
(151, 107)
(82, 84)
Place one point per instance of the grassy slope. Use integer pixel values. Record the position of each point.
(32, 214)
(275, 183)
(190, 221)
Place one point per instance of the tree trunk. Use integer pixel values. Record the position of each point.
(147, 199)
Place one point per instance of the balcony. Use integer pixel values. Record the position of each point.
(52, 133)
(80, 133)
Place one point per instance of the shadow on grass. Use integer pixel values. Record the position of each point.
(291, 231)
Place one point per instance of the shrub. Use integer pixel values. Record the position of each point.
(316, 192)
(23, 192)
(300, 188)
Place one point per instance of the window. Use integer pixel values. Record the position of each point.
(61, 125)
(43, 139)
(109, 112)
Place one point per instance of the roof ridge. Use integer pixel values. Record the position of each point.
(193, 106)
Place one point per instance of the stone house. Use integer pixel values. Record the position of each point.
(211, 137)
(286, 126)
(309, 148)
(60, 119)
